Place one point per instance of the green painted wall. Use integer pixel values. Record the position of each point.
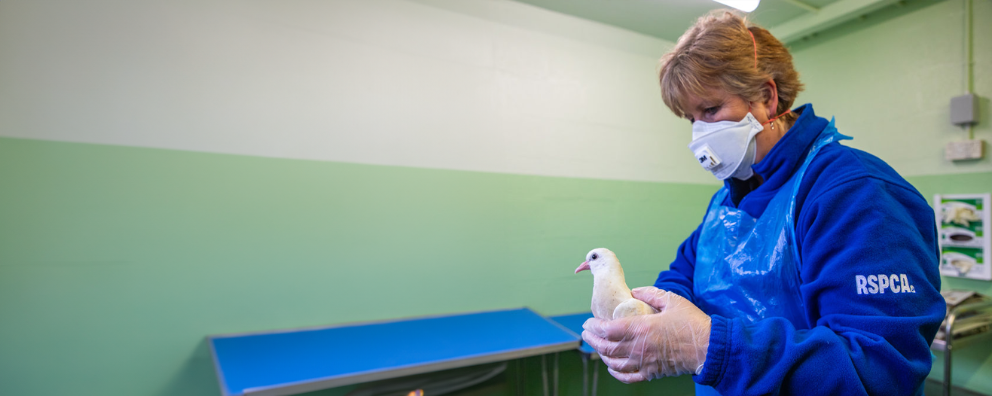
(889, 79)
(116, 262)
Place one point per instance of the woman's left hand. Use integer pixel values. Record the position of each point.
(644, 347)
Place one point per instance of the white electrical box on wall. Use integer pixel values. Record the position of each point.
(964, 150)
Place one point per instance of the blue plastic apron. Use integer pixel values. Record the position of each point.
(748, 268)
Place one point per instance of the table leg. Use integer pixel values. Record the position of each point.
(585, 375)
(519, 377)
(947, 366)
(544, 373)
(554, 388)
(595, 376)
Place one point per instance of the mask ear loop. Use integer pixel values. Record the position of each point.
(753, 41)
(776, 117)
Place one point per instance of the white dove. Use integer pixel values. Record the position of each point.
(611, 298)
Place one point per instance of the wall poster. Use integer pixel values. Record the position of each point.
(962, 220)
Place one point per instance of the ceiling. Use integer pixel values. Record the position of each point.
(668, 19)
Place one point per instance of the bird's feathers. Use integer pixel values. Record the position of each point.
(611, 298)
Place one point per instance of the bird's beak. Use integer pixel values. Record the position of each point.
(582, 267)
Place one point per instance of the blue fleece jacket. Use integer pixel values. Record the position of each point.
(857, 222)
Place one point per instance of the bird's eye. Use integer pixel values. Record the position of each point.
(594, 256)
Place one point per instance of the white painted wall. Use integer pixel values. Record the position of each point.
(482, 85)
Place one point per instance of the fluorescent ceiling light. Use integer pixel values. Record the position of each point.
(743, 5)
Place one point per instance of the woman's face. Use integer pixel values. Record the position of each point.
(720, 105)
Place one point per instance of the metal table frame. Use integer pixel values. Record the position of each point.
(588, 353)
(949, 343)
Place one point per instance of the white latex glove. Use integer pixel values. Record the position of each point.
(644, 347)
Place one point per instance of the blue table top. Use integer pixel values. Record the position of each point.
(574, 323)
(295, 361)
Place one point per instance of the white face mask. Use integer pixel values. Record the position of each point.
(726, 148)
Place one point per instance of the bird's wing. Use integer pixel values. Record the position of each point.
(633, 307)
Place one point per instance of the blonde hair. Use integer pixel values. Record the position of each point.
(717, 52)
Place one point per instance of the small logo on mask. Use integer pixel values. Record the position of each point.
(706, 158)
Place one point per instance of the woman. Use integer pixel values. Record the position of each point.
(814, 270)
